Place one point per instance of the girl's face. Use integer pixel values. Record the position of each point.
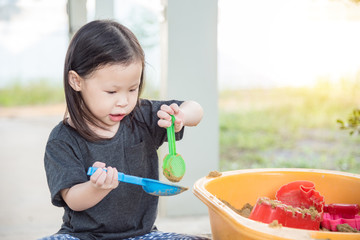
(111, 92)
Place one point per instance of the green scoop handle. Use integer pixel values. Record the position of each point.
(171, 137)
(173, 164)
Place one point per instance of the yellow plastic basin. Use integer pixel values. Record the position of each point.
(245, 186)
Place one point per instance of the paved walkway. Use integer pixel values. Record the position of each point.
(25, 208)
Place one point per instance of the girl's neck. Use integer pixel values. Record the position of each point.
(109, 132)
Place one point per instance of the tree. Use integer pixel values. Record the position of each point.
(352, 123)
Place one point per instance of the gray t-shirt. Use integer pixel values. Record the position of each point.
(126, 211)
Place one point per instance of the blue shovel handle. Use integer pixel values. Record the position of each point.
(150, 186)
(121, 177)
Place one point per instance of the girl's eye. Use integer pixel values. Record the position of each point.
(110, 92)
(133, 90)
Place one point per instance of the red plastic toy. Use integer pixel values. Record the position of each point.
(267, 211)
(301, 194)
(291, 208)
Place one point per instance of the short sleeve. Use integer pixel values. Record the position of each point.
(63, 167)
(148, 113)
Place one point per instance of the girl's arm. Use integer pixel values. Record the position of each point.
(86, 195)
(189, 113)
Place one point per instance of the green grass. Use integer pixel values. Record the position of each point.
(289, 127)
(34, 93)
(41, 92)
(261, 128)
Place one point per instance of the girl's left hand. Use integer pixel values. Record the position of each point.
(165, 118)
(104, 179)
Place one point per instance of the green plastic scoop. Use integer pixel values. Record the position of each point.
(173, 164)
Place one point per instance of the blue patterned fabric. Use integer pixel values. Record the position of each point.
(59, 237)
(155, 235)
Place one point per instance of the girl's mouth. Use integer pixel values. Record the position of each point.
(116, 117)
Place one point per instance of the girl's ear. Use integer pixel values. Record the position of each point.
(74, 80)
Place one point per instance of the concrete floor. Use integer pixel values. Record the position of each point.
(25, 208)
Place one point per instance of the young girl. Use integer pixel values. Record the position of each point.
(108, 126)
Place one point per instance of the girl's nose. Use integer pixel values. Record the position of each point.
(122, 101)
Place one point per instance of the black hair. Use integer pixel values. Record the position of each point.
(96, 44)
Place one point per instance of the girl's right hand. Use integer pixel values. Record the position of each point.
(104, 179)
(165, 118)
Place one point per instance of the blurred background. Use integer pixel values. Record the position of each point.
(260, 44)
(287, 71)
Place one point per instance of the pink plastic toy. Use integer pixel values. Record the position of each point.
(335, 214)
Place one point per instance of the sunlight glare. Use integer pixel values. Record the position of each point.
(287, 42)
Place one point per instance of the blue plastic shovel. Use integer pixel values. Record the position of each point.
(150, 186)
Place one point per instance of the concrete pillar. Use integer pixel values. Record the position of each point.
(189, 71)
(104, 9)
(77, 15)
